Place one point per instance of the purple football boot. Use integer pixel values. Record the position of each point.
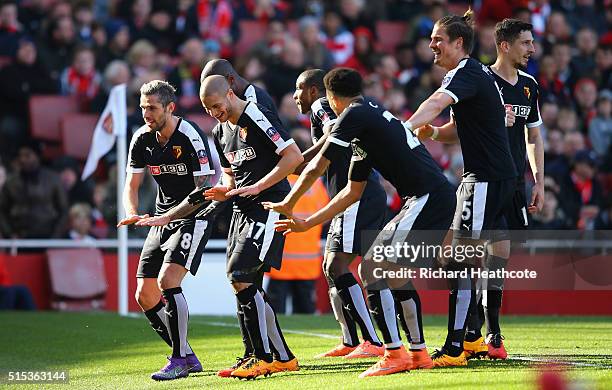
(175, 368)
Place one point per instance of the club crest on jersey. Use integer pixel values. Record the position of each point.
(242, 133)
(272, 134)
(323, 115)
(202, 157)
(527, 92)
(177, 151)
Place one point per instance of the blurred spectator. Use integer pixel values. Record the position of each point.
(186, 76)
(386, 68)
(33, 203)
(114, 45)
(32, 15)
(10, 28)
(422, 24)
(567, 120)
(81, 79)
(269, 49)
(585, 94)
(141, 57)
(395, 103)
(549, 110)
(13, 297)
(265, 10)
(486, 49)
(79, 219)
(540, 12)
(364, 54)
(600, 128)
(215, 20)
(117, 72)
(337, 38)
(100, 226)
(289, 114)
(557, 28)
(551, 216)
(573, 142)
(554, 147)
(84, 19)
(354, 15)
(408, 73)
(77, 190)
(280, 78)
(585, 14)
(583, 62)
(372, 88)
(423, 55)
(25, 77)
(136, 13)
(581, 194)
(56, 50)
(562, 54)
(160, 30)
(603, 63)
(315, 52)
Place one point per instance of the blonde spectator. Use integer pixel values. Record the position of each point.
(79, 217)
(141, 57)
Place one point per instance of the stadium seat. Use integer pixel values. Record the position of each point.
(390, 34)
(78, 281)
(77, 131)
(251, 31)
(46, 112)
(204, 121)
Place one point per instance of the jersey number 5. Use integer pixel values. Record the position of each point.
(412, 141)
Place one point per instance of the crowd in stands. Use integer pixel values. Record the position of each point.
(85, 47)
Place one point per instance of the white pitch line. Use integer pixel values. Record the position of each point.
(562, 362)
(228, 325)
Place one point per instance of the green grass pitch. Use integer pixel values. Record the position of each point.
(105, 351)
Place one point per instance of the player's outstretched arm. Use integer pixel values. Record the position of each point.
(130, 199)
(291, 157)
(183, 209)
(349, 195)
(311, 153)
(315, 168)
(535, 155)
(428, 111)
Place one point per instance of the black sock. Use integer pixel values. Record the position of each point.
(474, 324)
(382, 307)
(246, 341)
(254, 308)
(177, 315)
(350, 338)
(280, 349)
(157, 319)
(458, 309)
(352, 298)
(408, 305)
(493, 299)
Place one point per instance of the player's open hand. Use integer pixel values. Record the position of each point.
(131, 219)
(537, 199)
(158, 220)
(245, 191)
(280, 207)
(510, 116)
(291, 225)
(424, 132)
(218, 193)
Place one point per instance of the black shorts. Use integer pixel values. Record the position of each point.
(253, 245)
(345, 229)
(482, 208)
(180, 242)
(421, 220)
(516, 213)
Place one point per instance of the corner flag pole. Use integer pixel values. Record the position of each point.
(122, 233)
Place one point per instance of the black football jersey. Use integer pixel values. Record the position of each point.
(321, 114)
(523, 96)
(379, 140)
(252, 149)
(174, 165)
(479, 114)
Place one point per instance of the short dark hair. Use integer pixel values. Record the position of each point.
(314, 77)
(165, 92)
(460, 27)
(508, 30)
(343, 82)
